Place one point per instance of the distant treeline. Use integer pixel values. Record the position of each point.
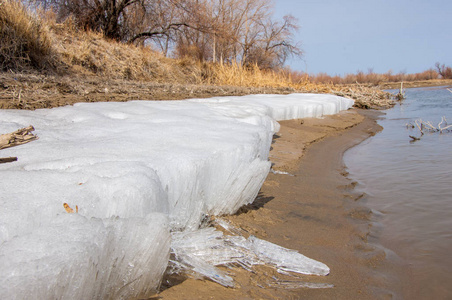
(441, 71)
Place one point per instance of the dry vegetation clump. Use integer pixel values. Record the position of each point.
(90, 53)
(238, 75)
(25, 41)
(365, 97)
(368, 97)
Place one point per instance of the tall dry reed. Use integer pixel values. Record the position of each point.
(24, 38)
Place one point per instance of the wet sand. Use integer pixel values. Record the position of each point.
(313, 210)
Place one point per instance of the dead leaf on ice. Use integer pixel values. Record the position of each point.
(69, 209)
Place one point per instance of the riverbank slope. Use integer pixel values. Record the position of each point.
(314, 210)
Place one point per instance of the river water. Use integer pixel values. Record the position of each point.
(409, 188)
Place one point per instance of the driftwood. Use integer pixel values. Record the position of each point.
(401, 95)
(427, 126)
(17, 137)
(414, 138)
(365, 97)
(7, 159)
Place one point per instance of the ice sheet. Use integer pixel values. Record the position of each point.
(135, 170)
(75, 257)
(200, 251)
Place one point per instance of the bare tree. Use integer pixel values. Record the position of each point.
(240, 31)
(444, 71)
(108, 16)
(208, 30)
(276, 43)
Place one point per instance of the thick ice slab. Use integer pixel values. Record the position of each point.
(136, 171)
(74, 257)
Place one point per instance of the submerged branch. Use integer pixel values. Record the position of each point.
(401, 94)
(427, 126)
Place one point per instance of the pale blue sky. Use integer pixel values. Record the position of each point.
(340, 37)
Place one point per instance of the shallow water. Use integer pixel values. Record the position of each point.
(409, 183)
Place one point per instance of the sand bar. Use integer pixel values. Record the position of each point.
(313, 210)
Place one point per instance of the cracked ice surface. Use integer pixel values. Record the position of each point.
(135, 170)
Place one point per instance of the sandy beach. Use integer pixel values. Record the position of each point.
(314, 210)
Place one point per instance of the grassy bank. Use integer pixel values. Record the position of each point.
(46, 64)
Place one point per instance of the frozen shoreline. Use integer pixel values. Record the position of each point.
(314, 211)
(172, 162)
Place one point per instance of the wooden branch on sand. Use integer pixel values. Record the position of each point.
(17, 137)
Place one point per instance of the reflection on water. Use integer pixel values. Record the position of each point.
(410, 183)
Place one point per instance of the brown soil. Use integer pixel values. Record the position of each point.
(33, 91)
(36, 90)
(314, 211)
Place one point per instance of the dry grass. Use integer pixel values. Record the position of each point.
(237, 75)
(24, 38)
(91, 68)
(89, 53)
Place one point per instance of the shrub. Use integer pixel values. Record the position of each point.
(24, 39)
(444, 71)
